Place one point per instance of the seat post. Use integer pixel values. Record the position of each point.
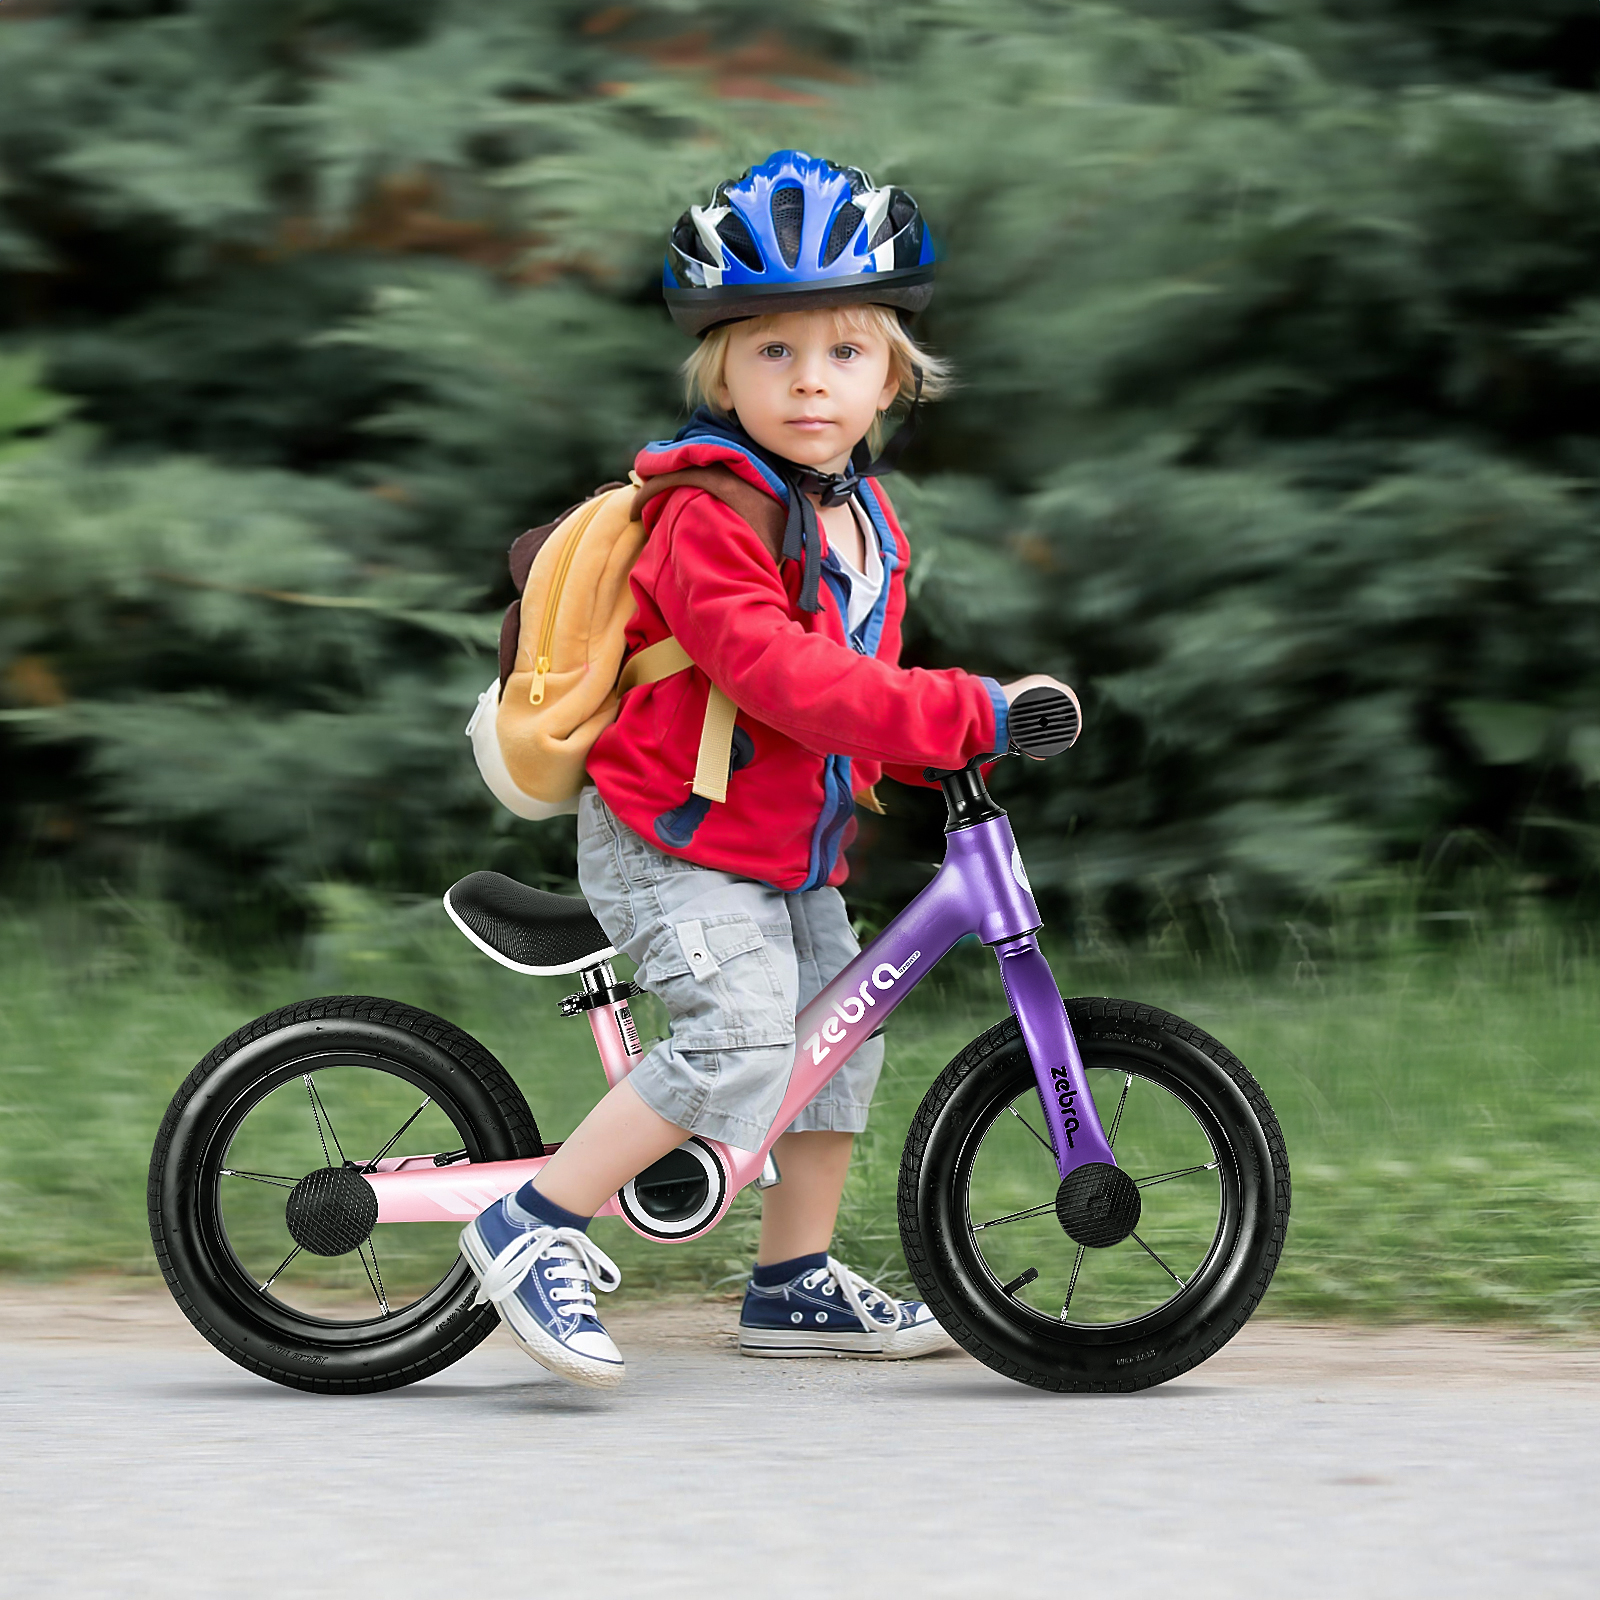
(598, 978)
(616, 1034)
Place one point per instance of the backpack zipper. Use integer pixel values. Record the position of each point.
(541, 664)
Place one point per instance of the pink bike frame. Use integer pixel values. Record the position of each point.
(981, 888)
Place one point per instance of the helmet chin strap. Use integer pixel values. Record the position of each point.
(802, 541)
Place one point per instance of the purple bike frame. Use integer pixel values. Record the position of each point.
(981, 888)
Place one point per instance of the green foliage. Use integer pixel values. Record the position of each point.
(1277, 335)
(26, 410)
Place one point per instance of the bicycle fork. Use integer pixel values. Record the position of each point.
(1097, 1204)
(1069, 1109)
(985, 870)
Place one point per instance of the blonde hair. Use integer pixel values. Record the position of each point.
(703, 372)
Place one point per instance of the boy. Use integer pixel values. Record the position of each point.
(796, 278)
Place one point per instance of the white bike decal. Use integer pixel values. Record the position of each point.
(884, 977)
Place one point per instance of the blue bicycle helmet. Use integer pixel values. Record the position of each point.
(792, 234)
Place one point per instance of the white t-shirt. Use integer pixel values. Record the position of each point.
(864, 586)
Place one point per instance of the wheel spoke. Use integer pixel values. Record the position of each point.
(374, 1277)
(281, 1265)
(394, 1138)
(316, 1121)
(1157, 1259)
(319, 1115)
(1077, 1267)
(1116, 1121)
(1034, 1131)
(258, 1177)
(1166, 1177)
(1017, 1216)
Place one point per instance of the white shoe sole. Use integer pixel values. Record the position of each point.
(549, 1353)
(796, 1342)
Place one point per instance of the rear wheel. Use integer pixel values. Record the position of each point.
(986, 1245)
(263, 1224)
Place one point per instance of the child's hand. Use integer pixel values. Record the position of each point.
(1036, 680)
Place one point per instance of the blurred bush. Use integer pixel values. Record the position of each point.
(1279, 344)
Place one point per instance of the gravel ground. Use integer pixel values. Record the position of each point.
(1315, 1460)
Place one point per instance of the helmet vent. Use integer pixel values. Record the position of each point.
(733, 233)
(788, 215)
(687, 242)
(842, 232)
(902, 208)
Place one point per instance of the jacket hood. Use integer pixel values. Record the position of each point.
(709, 440)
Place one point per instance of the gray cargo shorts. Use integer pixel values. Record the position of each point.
(733, 960)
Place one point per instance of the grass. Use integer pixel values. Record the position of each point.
(1438, 1097)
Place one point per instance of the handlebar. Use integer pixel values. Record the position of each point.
(1044, 722)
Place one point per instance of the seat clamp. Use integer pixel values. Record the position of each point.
(574, 1005)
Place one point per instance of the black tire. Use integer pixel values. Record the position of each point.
(994, 1281)
(377, 1057)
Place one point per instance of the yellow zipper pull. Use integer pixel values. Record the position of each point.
(547, 630)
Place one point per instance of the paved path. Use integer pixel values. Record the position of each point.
(1300, 1462)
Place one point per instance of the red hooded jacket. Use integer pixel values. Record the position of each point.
(822, 713)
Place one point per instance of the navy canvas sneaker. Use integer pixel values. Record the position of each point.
(542, 1281)
(832, 1311)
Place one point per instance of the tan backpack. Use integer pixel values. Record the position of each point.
(561, 646)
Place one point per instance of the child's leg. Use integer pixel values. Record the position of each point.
(615, 1142)
(801, 1301)
(718, 951)
(797, 1217)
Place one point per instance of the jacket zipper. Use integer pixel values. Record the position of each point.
(838, 798)
(547, 628)
(844, 803)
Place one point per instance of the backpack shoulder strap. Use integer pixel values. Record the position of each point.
(661, 660)
(667, 656)
(756, 506)
(767, 517)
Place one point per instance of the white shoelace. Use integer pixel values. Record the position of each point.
(857, 1292)
(577, 1265)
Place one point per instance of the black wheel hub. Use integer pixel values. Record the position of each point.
(331, 1211)
(1098, 1205)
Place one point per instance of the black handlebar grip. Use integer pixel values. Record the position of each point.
(1044, 722)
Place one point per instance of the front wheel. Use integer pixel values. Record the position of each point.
(979, 1224)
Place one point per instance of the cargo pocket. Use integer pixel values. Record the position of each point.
(718, 981)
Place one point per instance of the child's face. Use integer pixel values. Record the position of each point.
(807, 385)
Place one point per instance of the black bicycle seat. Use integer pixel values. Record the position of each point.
(526, 929)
